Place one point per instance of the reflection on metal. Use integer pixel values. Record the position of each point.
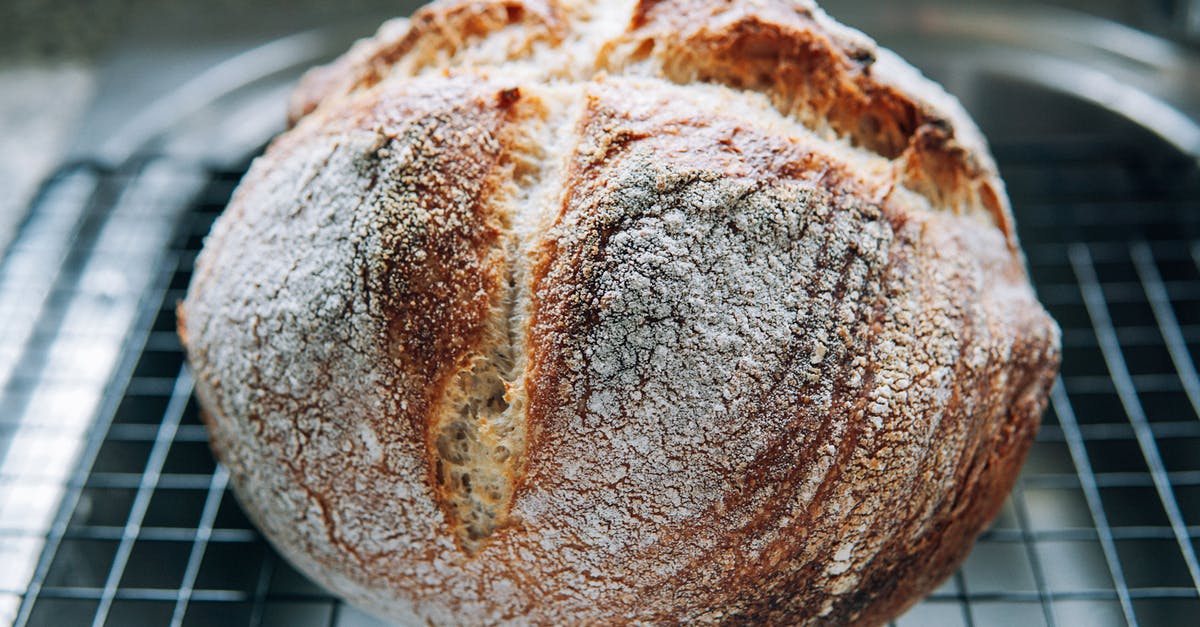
(71, 289)
(1190, 17)
(1146, 79)
(291, 54)
(1101, 89)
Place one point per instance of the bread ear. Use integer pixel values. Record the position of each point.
(830, 78)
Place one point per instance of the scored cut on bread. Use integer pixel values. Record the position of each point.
(657, 311)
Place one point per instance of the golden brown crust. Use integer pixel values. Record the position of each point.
(358, 266)
(827, 77)
(434, 34)
(909, 304)
(830, 78)
(761, 375)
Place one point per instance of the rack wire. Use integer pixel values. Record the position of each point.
(1101, 529)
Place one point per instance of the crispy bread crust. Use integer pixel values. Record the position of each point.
(777, 358)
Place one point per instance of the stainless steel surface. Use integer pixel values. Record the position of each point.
(1189, 17)
(112, 511)
(979, 52)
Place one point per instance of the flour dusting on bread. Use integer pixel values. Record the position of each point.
(643, 311)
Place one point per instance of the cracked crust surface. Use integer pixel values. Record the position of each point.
(530, 321)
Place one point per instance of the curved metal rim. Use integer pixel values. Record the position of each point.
(1079, 55)
(290, 53)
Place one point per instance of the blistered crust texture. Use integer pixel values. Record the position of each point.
(576, 312)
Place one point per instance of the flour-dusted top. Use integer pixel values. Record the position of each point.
(552, 312)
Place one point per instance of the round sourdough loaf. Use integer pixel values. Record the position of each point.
(571, 311)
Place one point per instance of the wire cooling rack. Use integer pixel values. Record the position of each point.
(139, 527)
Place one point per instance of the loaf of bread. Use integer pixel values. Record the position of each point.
(652, 311)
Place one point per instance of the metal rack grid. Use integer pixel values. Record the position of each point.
(1101, 529)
